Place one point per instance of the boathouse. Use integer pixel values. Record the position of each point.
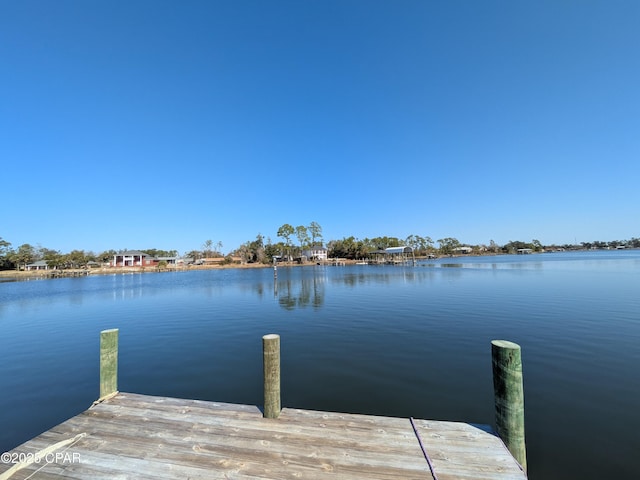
(394, 255)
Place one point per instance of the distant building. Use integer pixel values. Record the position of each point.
(463, 250)
(39, 265)
(315, 252)
(133, 258)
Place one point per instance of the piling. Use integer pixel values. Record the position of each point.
(509, 397)
(108, 362)
(271, 370)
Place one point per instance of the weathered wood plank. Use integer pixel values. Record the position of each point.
(144, 437)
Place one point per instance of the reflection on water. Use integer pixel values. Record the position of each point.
(301, 292)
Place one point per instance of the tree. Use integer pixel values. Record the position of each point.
(447, 245)
(194, 254)
(419, 244)
(285, 231)
(380, 243)
(514, 245)
(207, 248)
(272, 250)
(536, 245)
(303, 236)
(24, 255)
(5, 254)
(53, 258)
(76, 259)
(315, 230)
(154, 252)
(348, 247)
(106, 256)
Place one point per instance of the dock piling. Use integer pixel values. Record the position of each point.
(271, 370)
(108, 362)
(509, 397)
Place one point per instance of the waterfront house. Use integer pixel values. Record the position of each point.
(133, 258)
(315, 252)
(39, 265)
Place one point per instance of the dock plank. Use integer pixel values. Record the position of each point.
(133, 436)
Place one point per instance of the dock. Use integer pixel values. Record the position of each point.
(143, 437)
(131, 436)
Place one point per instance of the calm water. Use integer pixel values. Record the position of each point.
(398, 341)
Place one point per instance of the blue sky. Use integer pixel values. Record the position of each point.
(157, 124)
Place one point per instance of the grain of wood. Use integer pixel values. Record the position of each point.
(143, 437)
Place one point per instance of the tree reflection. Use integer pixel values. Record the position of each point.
(300, 293)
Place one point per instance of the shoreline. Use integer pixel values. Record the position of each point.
(129, 270)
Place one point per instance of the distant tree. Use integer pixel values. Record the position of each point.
(207, 248)
(106, 256)
(348, 247)
(253, 251)
(5, 254)
(154, 252)
(420, 245)
(413, 241)
(24, 255)
(272, 250)
(285, 232)
(448, 244)
(257, 249)
(194, 254)
(244, 252)
(380, 243)
(536, 245)
(76, 259)
(303, 236)
(514, 246)
(53, 258)
(315, 230)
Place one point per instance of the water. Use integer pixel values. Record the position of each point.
(398, 341)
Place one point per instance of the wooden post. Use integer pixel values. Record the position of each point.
(108, 362)
(271, 369)
(509, 397)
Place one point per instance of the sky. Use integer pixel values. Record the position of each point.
(161, 124)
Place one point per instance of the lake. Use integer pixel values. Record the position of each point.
(387, 340)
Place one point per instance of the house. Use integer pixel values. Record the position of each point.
(39, 265)
(315, 252)
(463, 250)
(133, 258)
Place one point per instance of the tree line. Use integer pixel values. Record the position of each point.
(295, 241)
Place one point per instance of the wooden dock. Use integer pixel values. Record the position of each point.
(140, 437)
(131, 436)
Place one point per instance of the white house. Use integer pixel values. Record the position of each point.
(315, 252)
